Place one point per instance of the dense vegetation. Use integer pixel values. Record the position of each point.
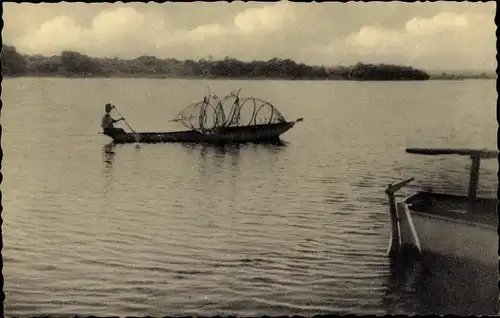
(74, 64)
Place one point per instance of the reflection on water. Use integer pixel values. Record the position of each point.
(450, 174)
(246, 230)
(401, 286)
(435, 284)
(109, 154)
(216, 156)
(109, 158)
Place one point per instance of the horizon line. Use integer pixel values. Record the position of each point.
(210, 58)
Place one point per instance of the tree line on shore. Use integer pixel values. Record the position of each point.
(74, 64)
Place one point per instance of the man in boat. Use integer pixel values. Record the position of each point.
(108, 121)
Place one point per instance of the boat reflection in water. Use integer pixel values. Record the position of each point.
(213, 156)
(438, 285)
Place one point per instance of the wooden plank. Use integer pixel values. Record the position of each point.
(482, 153)
(393, 188)
(395, 243)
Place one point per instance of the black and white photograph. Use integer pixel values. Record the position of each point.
(249, 159)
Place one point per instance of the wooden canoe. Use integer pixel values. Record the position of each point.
(255, 133)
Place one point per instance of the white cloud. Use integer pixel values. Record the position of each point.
(374, 37)
(273, 17)
(443, 22)
(416, 30)
(115, 23)
(445, 38)
(204, 32)
(61, 32)
(281, 29)
(129, 32)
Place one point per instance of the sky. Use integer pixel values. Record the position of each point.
(433, 36)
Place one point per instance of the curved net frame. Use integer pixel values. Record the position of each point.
(213, 113)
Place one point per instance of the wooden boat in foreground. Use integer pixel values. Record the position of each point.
(219, 121)
(463, 227)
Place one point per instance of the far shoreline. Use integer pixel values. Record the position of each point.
(195, 77)
(71, 64)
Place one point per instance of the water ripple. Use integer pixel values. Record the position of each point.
(251, 230)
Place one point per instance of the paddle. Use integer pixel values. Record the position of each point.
(136, 135)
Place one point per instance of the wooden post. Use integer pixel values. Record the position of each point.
(474, 178)
(393, 210)
(395, 235)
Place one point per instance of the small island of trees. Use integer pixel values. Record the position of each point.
(74, 64)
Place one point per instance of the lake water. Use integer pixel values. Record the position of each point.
(303, 228)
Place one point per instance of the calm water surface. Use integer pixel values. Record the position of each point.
(92, 228)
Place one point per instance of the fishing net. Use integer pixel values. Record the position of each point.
(231, 111)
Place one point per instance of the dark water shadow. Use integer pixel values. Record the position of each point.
(222, 166)
(221, 151)
(109, 155)
(222, 147)
(214, 156)
(439, 285)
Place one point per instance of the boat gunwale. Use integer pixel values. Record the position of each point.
(478, 212)
(227, 135)
(230, 129)
(447, 215)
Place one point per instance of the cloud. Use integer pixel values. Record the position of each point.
(108, 31)
(132, 33)
(444, 38)
(116, 23)
(416, 30)
(443, 22)
(60, 32)
(373, 37)
(430, 36)
(273, 18)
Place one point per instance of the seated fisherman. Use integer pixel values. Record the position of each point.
(108, 121)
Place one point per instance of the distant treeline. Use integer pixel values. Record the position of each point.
(74, 64)
(446, 76)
